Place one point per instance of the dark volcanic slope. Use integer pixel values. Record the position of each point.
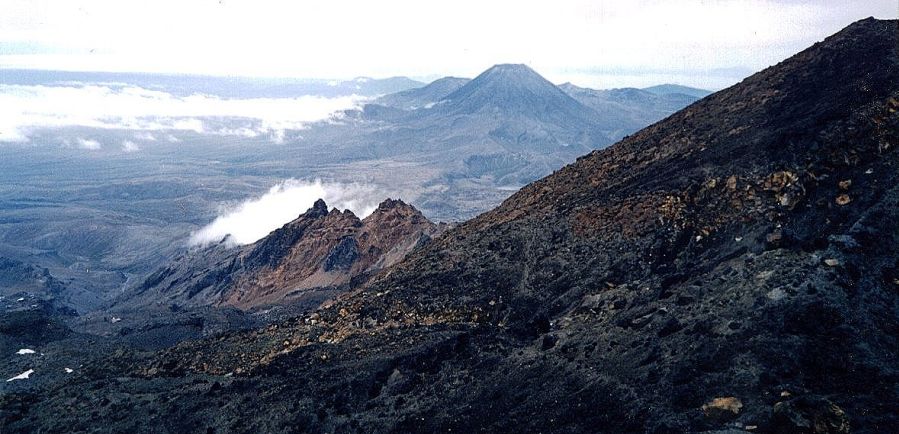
(743, 249)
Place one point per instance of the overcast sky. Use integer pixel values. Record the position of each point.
(592, 43)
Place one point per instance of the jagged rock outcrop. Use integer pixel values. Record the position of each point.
(311, 258)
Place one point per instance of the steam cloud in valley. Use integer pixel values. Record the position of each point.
(256, 218)
(89, 144)
(129, 146)
(24, 108)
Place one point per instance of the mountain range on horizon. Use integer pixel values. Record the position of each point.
(433, 92)
(655, 260)
(384, 88)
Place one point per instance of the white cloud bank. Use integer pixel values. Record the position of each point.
(255, 218)
(89, 144)
(147, 137)
(24, 108)
(129, 146)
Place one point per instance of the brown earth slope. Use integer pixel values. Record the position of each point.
(309, 259)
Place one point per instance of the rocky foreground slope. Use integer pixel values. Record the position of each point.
(733, 268)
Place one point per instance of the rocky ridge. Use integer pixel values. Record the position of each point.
(307, 260)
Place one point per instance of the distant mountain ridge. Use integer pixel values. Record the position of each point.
(628, 108)
(226, 87)
(667, 89)
(423, 97)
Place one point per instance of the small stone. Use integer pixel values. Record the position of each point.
(732, 182)
(785, 393)
(869, 171)
(809, 415)
(776, 294)
(844, 241)
(785, 200)
(764, 275)
(549, 341)
(832, 262)
(641, 321)
(722, 408)
(775, 236)
(670, 327)
(738, 239)
(843, 199)
(777, 181)
(845, 184)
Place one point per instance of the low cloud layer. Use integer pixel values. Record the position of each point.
(256, 218)
(24, 108)
(89, 144)
(129, 146)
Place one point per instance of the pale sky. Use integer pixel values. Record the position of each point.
(600, 43)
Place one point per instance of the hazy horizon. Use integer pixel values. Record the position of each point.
(592, 44)
(424, 79)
